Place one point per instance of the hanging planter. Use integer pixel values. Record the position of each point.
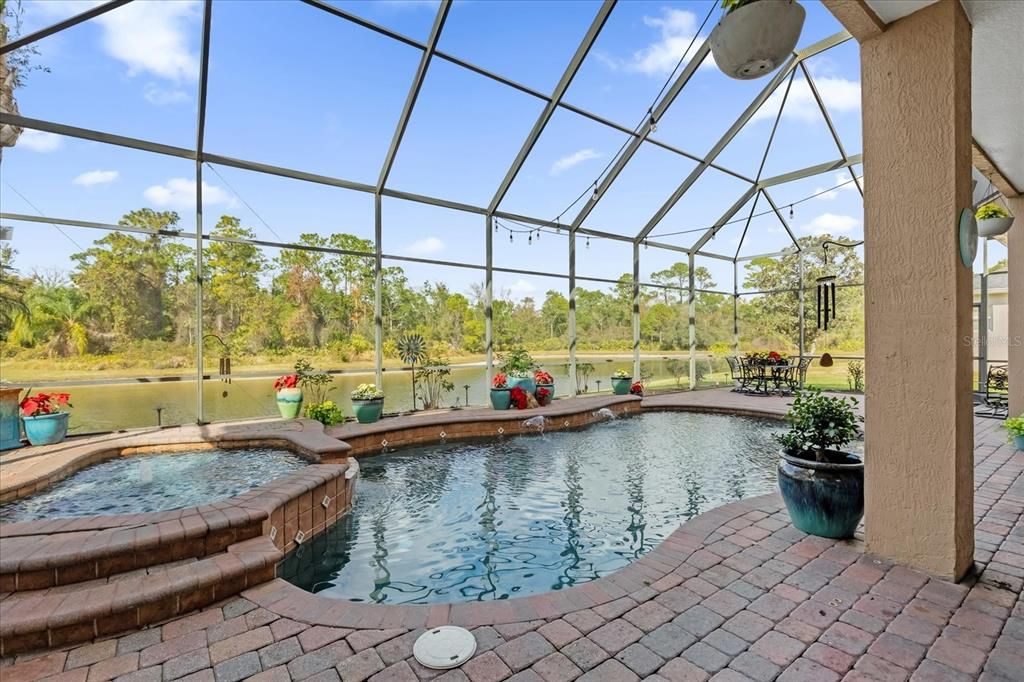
(755, 36)
(993, 220)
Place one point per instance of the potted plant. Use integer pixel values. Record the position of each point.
(326, 412)
(367, 403)
(755, 36)
(500, 398)
(544, 395)
(636, 389)
(288, 396)
(621, 382)
(822, 486)
(45, 418)
(544, 380)
(519, 398)
(518, 366)
(993, 220)
(1015, 427)
(10, 425)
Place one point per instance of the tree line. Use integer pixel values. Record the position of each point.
(131, 292)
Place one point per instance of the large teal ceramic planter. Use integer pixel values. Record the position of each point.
(1018, 442)
(525, 383)
(289, 402)
(46, 429)
(501, 398)
(368, 411)
(10, 421)
(551, 393)
(823, 498)
(621, 386)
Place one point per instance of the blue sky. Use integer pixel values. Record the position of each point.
(296, 87)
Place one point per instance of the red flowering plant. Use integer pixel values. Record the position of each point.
(543, 378)
(636, 389)
(543, 396)
(519, 398)
(286, 381)
(500, 380)
(44, 403)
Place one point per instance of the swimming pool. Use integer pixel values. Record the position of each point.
(155, 482)
(529, 514)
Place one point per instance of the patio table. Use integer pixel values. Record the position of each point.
(772, 379)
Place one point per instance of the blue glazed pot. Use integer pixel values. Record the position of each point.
(501, 398)
(368, 411)
(289, 402)
(525, 383)
(823, 498)
(46, 429)
(10, 424)
(1018, 442)
(620, 386)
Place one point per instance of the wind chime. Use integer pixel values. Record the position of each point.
(826, 287)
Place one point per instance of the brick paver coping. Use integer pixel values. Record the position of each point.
(735, 594)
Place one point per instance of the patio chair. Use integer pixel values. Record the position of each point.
(996, 398)
(736, 372)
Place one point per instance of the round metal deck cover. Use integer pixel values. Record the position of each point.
(444, 647)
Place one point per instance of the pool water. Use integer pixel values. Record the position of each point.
(529, 514)
(155, 482)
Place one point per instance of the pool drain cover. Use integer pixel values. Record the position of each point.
(444, 647)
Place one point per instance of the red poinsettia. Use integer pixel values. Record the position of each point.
(637, 388)
(774, 357)
(519, 398)
(543, 396)
(44, 403)
(286, 381)
(542, 377)
(500, 380)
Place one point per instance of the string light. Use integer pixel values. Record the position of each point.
(529, 240)
(654, 124)
(791, 211)
(510, 239)
(588, 241)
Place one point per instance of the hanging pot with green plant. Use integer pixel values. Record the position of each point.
(993, 220)
(755, 36)
(822, 485)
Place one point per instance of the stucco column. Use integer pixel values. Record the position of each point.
(1015, 293)
(916, 89)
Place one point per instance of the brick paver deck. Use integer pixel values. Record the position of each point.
(754, 599)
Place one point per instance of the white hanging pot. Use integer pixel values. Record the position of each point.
(993, 227)
(755, 39)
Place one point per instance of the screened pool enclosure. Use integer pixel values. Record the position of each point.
(690, 244)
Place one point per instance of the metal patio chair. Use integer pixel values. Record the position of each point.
(996, 399)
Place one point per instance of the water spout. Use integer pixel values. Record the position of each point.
(605, 413)
(536, 423)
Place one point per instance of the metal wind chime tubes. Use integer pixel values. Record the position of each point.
(826, 287)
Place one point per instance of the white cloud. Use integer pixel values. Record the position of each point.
(149, 37)
(841, 182)
(181, 193)
(153, 37)
(38, 141)
(831, 223)
(425, 247)
(161, 97)
(96, 177)
(566, 162)
(840, 95)
(677, 29)
(520, 289)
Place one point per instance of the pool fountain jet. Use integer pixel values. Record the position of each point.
(536, 423)
(605, 413)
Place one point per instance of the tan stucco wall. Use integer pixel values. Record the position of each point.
(916, 85)
(1015, 327)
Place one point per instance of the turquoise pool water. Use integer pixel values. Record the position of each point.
(155, 482)
(529, 514)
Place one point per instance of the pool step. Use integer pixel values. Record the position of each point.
(57, 616)
(43, 554)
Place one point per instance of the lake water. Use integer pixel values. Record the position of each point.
(134, 403)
